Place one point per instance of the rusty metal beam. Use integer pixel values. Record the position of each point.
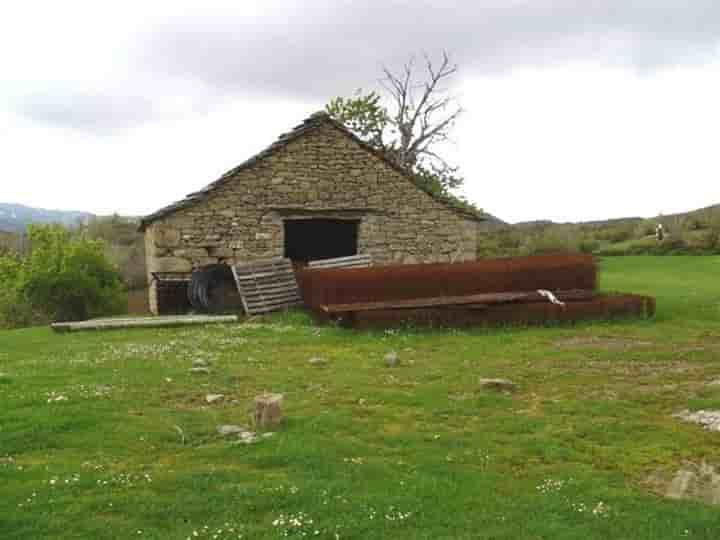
(471, 301)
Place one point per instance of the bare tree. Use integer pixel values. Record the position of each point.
(422, 116)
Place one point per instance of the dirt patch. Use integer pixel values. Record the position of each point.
(643, 369)
(697, 348)
(710, 420)
(699, 482)
(605, 343)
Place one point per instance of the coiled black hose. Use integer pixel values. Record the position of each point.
(212, 290)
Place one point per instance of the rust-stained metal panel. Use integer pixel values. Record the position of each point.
(407, 282)
(602, 307)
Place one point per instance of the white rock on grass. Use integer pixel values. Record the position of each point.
(268, 410)
(200, 371)
(214, 398)
(709, 420)
(229, 429)
(317, 361)
(247, 437)
(392, 359)
(502, 385)
(695, 481)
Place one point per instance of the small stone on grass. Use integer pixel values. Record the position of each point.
(247, 437)
(268, 410)
(392, 359)
(501, 385)
(229, 429)
(317, 361)
(214, 398)
(710, 420)
(200, 371)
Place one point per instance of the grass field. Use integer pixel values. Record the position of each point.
(107, 435)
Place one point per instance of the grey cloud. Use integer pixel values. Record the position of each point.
(318, 49)
(326, 49)
(95, 113)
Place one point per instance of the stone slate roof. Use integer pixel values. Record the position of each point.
(315, 120)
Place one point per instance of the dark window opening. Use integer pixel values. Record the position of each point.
(314, 239)
(172, 297)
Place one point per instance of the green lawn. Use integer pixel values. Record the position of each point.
(368, 452)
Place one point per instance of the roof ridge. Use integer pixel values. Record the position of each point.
(313, 121)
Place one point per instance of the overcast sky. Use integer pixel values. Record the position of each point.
(575, 109)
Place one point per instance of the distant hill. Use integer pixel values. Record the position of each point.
(687, 233)
(16, 217)
(699, 213)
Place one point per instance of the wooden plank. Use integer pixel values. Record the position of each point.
(142, 322)
(260, 298)
(262, 265)
(264, 268)
(339, 265)
(272, 306)
(271, 291)
(255, 291)
(485, 299)
(270, 288)
(342, 262)
(269, 282)
(269, 309)
(266, 286)
(349, 258)
(247, 269)
(276, 275)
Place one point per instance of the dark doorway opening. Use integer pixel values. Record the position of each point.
(314, 239)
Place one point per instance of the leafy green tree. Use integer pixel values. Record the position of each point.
(124, 246)
(422, 116)
(64, 277)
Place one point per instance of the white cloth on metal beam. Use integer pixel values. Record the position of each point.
(550, 296)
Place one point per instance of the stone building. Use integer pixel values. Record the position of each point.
(317, 192)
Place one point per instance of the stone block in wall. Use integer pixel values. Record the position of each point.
(220, 251)
(209, 243)
(180, 221)
(171, 264)
(165, 236)
(191, 253)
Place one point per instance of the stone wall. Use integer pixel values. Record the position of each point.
(324, 174)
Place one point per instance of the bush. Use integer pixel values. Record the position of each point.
(588, 245)
(13, 310)
(62, 278)
(616, 234)
(553, 243)
(646, 228)
(124, 247)
(710, 240)
(693, 224)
